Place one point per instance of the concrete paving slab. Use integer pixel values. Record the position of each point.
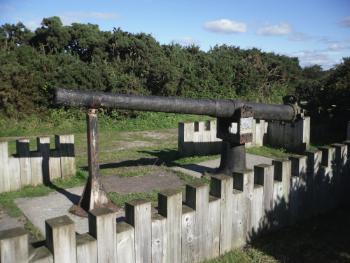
(7, 222)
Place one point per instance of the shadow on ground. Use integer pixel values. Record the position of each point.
(166, 157)
(324, 238)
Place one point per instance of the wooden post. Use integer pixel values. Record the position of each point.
(14, 173)
(43, 146)
(197, 197)
(60, 239)
(313, 181)
(243, 183)
(188, 234)
(159, 239)
(222, 187)
(93, 195)
(282, 176)
(170, 206)
(138, 214)
(36, 163)
(65, 145)
(14, 246)
(23, 153)
(265, 176)
(86, 249)
(125, 243)
(213, 229)
(5, 184)
(102, 226)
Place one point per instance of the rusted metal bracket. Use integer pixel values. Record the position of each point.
(94, 195)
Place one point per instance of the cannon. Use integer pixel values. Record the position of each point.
(234, 124)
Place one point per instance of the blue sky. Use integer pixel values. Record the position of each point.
(318, 32)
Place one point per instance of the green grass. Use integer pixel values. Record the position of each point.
(120, 200)
(270, 152)
(7, 199)
(73, 121)
(246, 255)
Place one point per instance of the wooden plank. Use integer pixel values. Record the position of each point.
(221, 186)
(197, 197)
(299, 191)
(23, 153)
(170, 206)
(188, 241)
(5, 182)
(86, 249)
(239, 223)
(282, 176)
(14, 246)
(313, 180)
(264, 174)
(213, 230)
(60, 239)
(159, 239)
(125, 243)
(36, 163)
(15, 173)
(243, 182)
(102, 226)
(256, 212)
(54, 165)
(65, 145)
(138, 214)
(43, 146)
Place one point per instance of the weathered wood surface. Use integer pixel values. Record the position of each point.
(222, 187)
(86, 249)
(60, 239)
(23, 153)
(170, 206)
(125, 243)
(14, 246)
(159, 239)
(138, 214)
(102, 226)
(188, 241)
(197, 197)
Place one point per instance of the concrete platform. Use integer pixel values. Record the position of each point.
(7, 222)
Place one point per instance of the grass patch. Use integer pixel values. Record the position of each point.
(246, 255)
(7, 199)
(120, 200)
(270, 152)
(73, 121)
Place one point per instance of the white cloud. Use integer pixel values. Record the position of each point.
(186, 41)
(225, 26)
(275, 30)
(70, 17)
(299, 36)
(345, 22)
(32, 24)
(312, 57)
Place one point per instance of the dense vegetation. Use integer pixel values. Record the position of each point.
(81, 56)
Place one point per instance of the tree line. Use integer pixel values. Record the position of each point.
(81, 56)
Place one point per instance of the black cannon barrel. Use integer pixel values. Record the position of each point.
(211, 107)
